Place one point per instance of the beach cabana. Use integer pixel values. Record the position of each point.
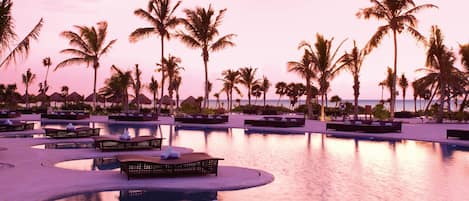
(166, 100)
(142, 100)
(99, 98)
(56, 97)
(74, 97)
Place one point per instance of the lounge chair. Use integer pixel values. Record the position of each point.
(276, 122)
(9, 114)
(106, 143)
(133, 117)
(202, 119)
(461, 134)
(68, 115)
(79, 132)
(366, 126)
(187, 164)
(15, 126)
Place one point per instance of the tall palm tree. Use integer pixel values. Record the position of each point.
(8, 36)
(202, 29)
(248, 79)
(47, 63)
(217, 97)
(122, 80)
(382, 84)
(440, 69)
(230, 79)
(354, 61)
(399, 17)
(388, 82)
(137, 85)
(265, 84)
(87, 47)
(464, 53)
(160, 15)
(295, 91)
(403, 83)
(324, 59)
(153, 87)
(172, 68)
(28, 78)
(177, 80)
(416, 88)
(256, 91)
(307, 70)
(281, 90)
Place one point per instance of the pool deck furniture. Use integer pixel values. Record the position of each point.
(79, 132)
(68, 115)
(366, 126)
(134, 117)
(461, 134)
(16, 126)
(281, 122)
(202, 119)
(189, 164)
(9, 114)
(108, 143)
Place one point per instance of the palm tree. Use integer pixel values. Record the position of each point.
(172, 68)
(64, 89)
(137, 85)
(388, 82)
(336, 99)
(247, 78)
(160, 14)
(230, 79)
(120, 82)
(47, 63)
(153, 87)
(28, 78)
(87, 47)
(217, 97)
(8, 35)
(8, 95)
(202, 28)
(382, 84)
(265, 87)
(281, 90)
(294, 92)
(177, 80)
(354, 61)
(306, 69)
(256, 91)
(464, 53)
(327, 66)
(417, 91)
(403, 83)
(399, 17)
(440, 69)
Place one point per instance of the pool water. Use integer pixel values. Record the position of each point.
(319, 167)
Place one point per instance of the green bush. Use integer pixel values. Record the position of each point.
(380, 112)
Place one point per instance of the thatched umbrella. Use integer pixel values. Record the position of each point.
(75, 97)
(22, 99)
(190, 101)
(142, 99)
(56, 97)
(99, 98)
(166, 100)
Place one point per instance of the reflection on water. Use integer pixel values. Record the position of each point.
(320, 167)
(91, 164)
(140, 195)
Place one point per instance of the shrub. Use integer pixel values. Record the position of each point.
(380, 112)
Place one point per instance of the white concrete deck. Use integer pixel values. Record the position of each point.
(34, 176)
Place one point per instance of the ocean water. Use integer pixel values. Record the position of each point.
(409, 104)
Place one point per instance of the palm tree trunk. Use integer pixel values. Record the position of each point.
(308, 99)
(94, 84)
(206, 84)
(439, 118)
(322, 107)
(154, 100)
(415, 104)
(231, 100)
(264, 98)
(162, 77)
(170, 91)
(249, 94)
(463, 103)
(394, 76)
(403, 99)
(27, 96)
(356, 93)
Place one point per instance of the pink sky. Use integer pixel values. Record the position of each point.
(268, 36)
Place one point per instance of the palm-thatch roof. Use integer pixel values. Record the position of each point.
(166, 100)
(90, 97)
(56, 97)
(142, 100)
(189, 101)
(75, 97)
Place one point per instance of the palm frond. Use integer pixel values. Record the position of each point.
(376, 38)
(74, 61)
(75, 52)
(188, 40)
(23, 46)
(142, 33)
(223, 42)
(418, 8)
(145, 15)
(105, 50)
(416, 34)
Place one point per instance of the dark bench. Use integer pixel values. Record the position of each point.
(79, 132)
(367, 127)
(276, 122)
(461, 134)
(16, 126)
(134, 117)
(105, 143)
(202, 119)
(66, 115)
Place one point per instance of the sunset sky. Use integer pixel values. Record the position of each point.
(268, 34)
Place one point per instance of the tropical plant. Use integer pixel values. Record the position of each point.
(217, 97)
(399, 17)
(137, 85)
(202, 28)
(153, 87)
(87, 47)
(230, 79)
(324, 59)
(47, 63)
(382, 84)
(172, 68)
(388, 82)
(247, 78)
(8, 95)
(294, 92)
(464, 53)
(177, 80)
(256, 91)
(354, 61)
(265, 84)
(403, 83)
(8, 36)
(117, 86)
(27, 79)
(64, 89)
(440, 71)
(336, 99)
(160, 15)
(305, 68)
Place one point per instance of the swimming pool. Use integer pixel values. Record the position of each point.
(320, 167)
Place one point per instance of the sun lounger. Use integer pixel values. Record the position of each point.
(16, 126)
(106, 143)
(79, 132)
(461, 134)
(202, 119)
(68, 115)
(187, 164)
(9, 114)
(366, 126)
(133, 117)
(276, 122)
